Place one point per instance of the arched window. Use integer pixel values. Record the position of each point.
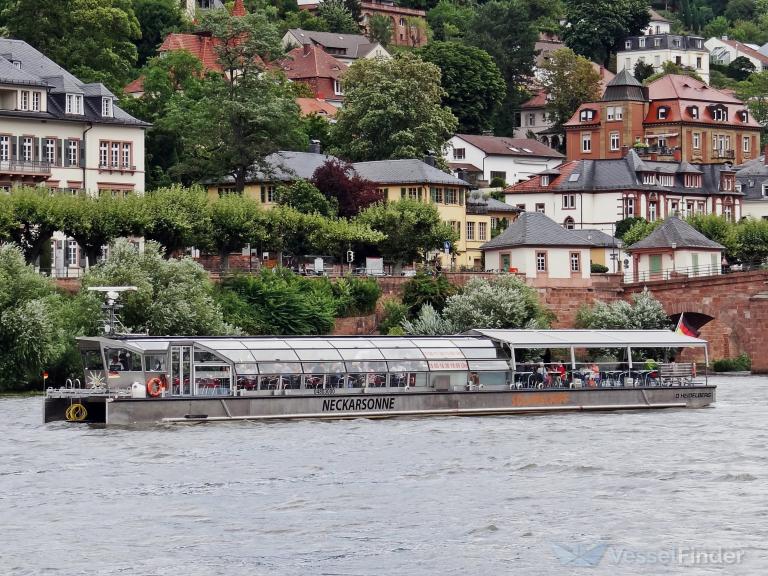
(569, 223)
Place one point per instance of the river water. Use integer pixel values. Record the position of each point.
(651, 492)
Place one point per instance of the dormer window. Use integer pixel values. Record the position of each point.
(661, 114)
(649, 178)
(545, 180)
(628, 45)
(720, 114)
(586, 115)
(695, 112)
(16, 63)
(106, 107)
(337, 89)
(641, 42)
(693, 180)
(744, 116)
(74, 104)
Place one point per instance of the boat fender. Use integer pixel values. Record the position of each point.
(155, 386)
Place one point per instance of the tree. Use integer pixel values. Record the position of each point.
(754, 91)
(740, 68)
(748, 31)
(32, 335)
(740, 10)
(338, 17)
(751, 240)
(450, 19)
(639, 230)
(595, 28)
(717, 228)
(716, 28)
(569, 81)
(502, 302)
(34, 209)
(474, 86)
(174, 296)
(428, 322)
(427, 289)
(177, 218)
(412, 229)
(380, 29)
(670, 67)
(305, 197)
(392, 109)
(163, 78)
(622, 226)
(642, 70)
(338, 181)
(235, 222)
(643, 313)
(156, 19)
(92, 39)
(239, 118)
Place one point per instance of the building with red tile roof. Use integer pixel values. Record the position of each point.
(317, 106)
(725, 50)
(311, 65)
(674, 118)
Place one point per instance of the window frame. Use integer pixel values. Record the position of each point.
(574, 258)
(541, 261)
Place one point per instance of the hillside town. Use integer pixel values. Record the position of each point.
(394, 144)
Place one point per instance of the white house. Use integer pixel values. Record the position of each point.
(688, 51)
(674, 249)
(540, 248)
(657, 24)
(344, 47)
(480, 159)
(64, 134)
(725, 50)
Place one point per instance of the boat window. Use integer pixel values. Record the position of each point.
(448, 365)
(247, 368)
(448, 380)
(92, 360)
(247, 383)
(402, 353)
(402, 379)
(324, 354)
(284, 355)
(366, 366)
(323, 367)
(492, 378)
(361, 354)
(205, 356)
(408, 366)
(488, 365)
(155, 362)
(280, 382)
(279, 368)
(442, 353)
(214, 380)
(122, 360)
(237, 355)
(480, 353)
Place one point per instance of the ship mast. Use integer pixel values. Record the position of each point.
(110, 307)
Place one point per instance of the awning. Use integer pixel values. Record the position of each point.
(592, 338)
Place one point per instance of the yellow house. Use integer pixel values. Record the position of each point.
(396, 179)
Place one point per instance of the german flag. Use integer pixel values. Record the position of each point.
(686, 329)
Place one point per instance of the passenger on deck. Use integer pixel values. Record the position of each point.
(115, 365)
(542, 376)
(594, 374)
(560, 369)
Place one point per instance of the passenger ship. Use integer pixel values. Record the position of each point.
(130, 379)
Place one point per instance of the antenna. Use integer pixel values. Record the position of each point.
(110, 306)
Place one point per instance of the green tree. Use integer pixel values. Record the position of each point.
(595, 28)
(740, 10)
(428, 322)
(569, 81)
(306, 198)
(239, 118)
(235, 222)
(639, 230)
(174, 296)
(35, 211)
(92, 39)
(412, 229)
(449, 19)
(338, 17)
(740, 68)
(716, 228)
(754, 91)
(751, 240)
(622, 226)
(642, 70)
(164, 77)
(156, 19)
(380, 29)
(177, 218)
(643, 313)
(748, 31)
(427, 289)
(392, 109)
(669, 67)
(474, 86)
(716, 28)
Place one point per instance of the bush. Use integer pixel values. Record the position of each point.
(356, 296)
(598, 268)
(427, 289)
(394, 314)
(742, 363)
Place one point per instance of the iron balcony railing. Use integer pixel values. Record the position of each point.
(724, 154)
(689, 272)
(25, 167)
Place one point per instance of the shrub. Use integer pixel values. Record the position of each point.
(393, 316)
(741, 363)
(365, 294)
(427, 289)
(598, 268)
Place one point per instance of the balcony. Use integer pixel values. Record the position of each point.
(116, 167)
(723, 154)
(27, 170)
(655, 152)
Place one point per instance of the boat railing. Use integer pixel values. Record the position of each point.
(605, 375)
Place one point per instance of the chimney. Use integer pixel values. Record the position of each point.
(624, 150)
(430, 158)
(307, 48)
(314, 147)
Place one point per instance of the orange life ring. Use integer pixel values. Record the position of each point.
(155, 386)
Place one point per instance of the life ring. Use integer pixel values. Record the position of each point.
(155, 386)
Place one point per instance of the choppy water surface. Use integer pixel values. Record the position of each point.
(505, 495)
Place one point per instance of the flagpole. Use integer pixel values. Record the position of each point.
(679, 321)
